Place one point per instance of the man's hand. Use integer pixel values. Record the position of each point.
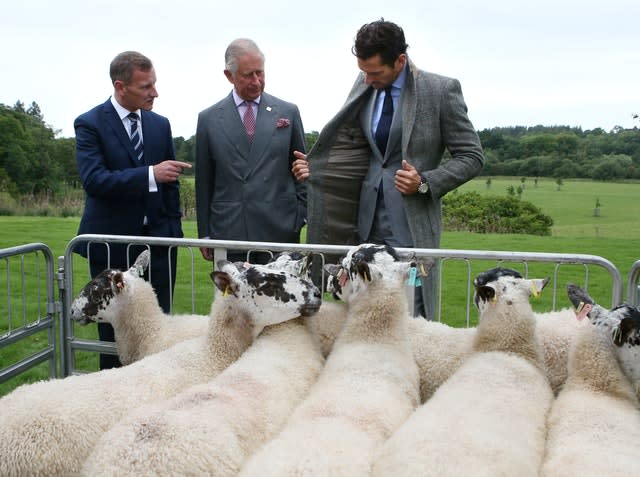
(407, 179)
(300, 167)
(207, 253)
(169, 171)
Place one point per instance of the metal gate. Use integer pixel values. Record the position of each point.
(28, 310)
(578, 268)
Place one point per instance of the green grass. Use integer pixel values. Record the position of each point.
(613, 235)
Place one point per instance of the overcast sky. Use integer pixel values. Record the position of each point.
(549, 62)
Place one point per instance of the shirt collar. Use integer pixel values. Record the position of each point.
(238, 100)
(399, 81)
(122, 111)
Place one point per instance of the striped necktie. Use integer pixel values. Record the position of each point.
(136, 138)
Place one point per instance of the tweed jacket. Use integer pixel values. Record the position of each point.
(434, 118)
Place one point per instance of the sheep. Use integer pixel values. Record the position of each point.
(221, 422)
(488, 418)
(129, 304)
(49, 428)
(368, 386)
(440, 349)
(594, 424)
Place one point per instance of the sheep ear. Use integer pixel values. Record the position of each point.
(118, 282)
(578, 296)
(223, 282)
(332, 268)
(628, 325)
(537, 285)
(362, 269)
(486, 293)
(142, 262)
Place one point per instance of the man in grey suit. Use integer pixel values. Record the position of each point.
(375, 173)
(245, 189)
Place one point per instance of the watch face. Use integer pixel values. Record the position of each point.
(423, 188)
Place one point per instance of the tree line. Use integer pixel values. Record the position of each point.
(33, 160)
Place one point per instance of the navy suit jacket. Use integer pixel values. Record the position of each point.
(117, 183)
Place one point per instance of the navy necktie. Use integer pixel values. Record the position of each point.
(384, 124)
(136, 138)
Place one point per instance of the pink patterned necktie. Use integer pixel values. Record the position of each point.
(249, 120)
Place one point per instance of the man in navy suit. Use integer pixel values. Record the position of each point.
(245, 189)
(130, 189)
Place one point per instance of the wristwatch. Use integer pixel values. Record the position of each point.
(423, 188)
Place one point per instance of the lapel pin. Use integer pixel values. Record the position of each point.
(268, 108)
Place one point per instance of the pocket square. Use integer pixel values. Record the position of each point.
(282, 123)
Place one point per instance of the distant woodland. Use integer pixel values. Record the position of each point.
(34, 160)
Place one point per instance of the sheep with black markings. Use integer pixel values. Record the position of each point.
(594, 424)
(368, 386)
(49, 428)
(488, 418)
(127, 302)
(440, 349)
(222, 421)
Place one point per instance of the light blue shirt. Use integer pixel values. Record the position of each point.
(396, 89)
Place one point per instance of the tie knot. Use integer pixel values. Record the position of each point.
(132, 116)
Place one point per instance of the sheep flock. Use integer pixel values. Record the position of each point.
(276, 381)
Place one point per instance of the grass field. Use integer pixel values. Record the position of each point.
(612, 235)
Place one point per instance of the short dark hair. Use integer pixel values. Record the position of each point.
(125, 63)
(380, 37)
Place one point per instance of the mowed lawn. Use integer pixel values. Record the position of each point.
(612, 235)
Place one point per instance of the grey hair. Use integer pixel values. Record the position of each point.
(238, 48)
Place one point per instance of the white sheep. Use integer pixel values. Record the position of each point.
(212, 428)
(440, 349)
(594, 424)
(127, 302)
(368, 386)
(488, 418)
(49, 428)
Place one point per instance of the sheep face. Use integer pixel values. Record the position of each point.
(503, 286)
(269, 295)
(362, 265)
(97, 301)
(622, 323)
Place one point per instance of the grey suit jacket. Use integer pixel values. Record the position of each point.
(434, 118)
(246, 191)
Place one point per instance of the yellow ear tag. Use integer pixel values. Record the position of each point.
(534, 291)
(226, 291)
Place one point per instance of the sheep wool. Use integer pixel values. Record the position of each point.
(368, 387)
(212, 428)
(49, 428)
(594, 424)
(488, 418)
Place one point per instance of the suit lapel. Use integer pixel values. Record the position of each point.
(113, 120)
(231, 124)
(265, 127)
(408, 102)
(366, 118)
